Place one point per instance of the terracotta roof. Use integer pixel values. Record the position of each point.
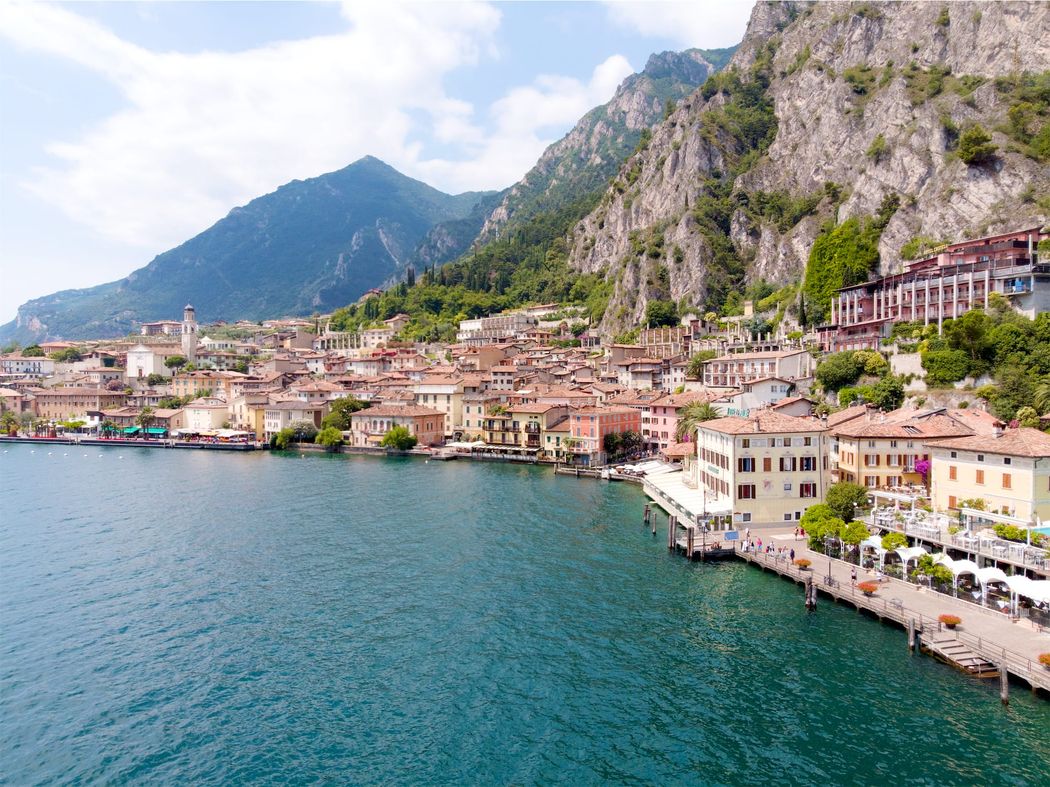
(679, 449)
(834, 419)
(1023, 441)
(680, 399)
(918, 426)
(605, 411)
(763, 422)
(790, 400)
(393, 410)
(756, 355)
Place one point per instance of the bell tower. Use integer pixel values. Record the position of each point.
(189, 333)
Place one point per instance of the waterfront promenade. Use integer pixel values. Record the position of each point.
(983, 630)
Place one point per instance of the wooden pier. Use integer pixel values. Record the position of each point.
(970, 652)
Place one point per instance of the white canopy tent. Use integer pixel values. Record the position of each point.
(957, 567)
(909, 554)
(874, 543)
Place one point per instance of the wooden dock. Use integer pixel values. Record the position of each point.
(976, 655)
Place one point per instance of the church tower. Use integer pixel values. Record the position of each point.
(189, 333)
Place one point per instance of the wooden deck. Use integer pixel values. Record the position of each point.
(971, 652)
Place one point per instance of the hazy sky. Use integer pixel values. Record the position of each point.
(128, 128)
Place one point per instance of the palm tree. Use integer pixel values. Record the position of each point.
(691, 416)
(1041, 400)
(145, 419)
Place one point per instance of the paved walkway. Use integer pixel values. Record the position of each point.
(1022, 637)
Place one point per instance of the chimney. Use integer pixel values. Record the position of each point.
(998, 431)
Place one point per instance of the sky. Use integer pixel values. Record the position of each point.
(128, 128)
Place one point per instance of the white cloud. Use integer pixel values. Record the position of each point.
(711, 24)
(201, 133)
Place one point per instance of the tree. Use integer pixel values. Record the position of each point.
(691, 416)
(630, 442)
(888, 393)
(145, 418)
(8, 422)
(399, 438)
(695, 370)
(68, 355)
(304, 431)
(156, 379)
(329, 437)
(33, 351)
(660, 313)
(839, 370)
(975, 147)
(1027, 416)
(1041, 399)
(282, 439)
(945, 366)
(894, 541)
(611, 444)
(854, 533)
(176, 361)
(844, 498)
(340, 411)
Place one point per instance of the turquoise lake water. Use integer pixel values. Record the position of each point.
(183, 617)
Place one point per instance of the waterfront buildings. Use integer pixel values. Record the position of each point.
(766, 468)
(735, 369)
(369, 426)
(948, 282)
(1007, 473)
(589, 426)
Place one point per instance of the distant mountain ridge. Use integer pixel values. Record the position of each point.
(311, 245)
(591, 153)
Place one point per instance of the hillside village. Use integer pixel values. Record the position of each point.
(759, 425)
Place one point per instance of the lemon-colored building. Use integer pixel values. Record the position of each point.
(1009, 472)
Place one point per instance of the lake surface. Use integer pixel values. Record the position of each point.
(184, 617)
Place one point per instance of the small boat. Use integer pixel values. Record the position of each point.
(606, 475)
(444, 455)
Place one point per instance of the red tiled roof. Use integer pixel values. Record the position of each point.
(1022, 441)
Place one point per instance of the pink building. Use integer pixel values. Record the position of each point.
(588, 427)
(660, 419)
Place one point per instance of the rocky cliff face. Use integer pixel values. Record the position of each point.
(868, 102)
(590, 154)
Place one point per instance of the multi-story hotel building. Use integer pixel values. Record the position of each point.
(735, 369)
(766, 468)
(945, 284)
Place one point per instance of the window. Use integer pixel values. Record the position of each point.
(786, 442)
(745, 517)
(953, 472)
(745, 464)
(1006, 460)
(745, 443)
(871, 443)
(1007, 481)
(787, 517)
(871, 481)
(767, 465)
(807, 490)
(893, 443)
(954, 455)
(809, 464)
(745, 491)
(980, 457)
(980, 477)
(807, 441)
(953, 502)
(788, 464)
(787, 487)
(871, 460)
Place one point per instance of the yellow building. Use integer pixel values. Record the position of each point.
(767, 468)
(879, 450)
(1009, 471)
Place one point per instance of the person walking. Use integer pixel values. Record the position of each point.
(791, 555)
(853, 575)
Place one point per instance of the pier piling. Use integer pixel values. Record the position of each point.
(1004, 684)
(670, 532)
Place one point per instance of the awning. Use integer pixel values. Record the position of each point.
(155, 430)
(130, 430)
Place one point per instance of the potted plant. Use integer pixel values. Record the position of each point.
(867, 588)
(803, 563)
(1044, 659)
(951, 621)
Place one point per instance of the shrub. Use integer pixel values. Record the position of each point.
(839, 370)
(945, 366)
(867, 587)
(975, 147)
(894, 541)
(1044, 659)
(803, 563)
(949, 620)
(877, 148)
